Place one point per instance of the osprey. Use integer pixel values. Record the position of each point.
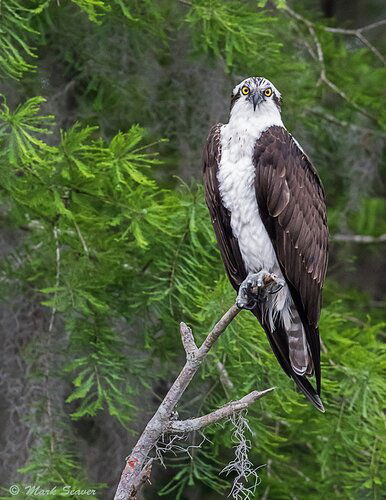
(268, 211)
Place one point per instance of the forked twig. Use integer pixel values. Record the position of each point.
(138, 465)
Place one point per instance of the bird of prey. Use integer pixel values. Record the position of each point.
(268, 211)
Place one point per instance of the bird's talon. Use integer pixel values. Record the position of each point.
(256, 288)
(246, 305)
(251, 305)
(279, 286)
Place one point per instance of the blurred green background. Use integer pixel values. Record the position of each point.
(106, 243)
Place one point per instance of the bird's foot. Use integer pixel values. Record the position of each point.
(256, 287)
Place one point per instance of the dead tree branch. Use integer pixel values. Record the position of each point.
(358, 33)
(224, 376)
(195, 424)
(359, 238)
(138, 464)
(344, 124)
(318, 55)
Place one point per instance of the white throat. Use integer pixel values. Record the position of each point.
(247, 121)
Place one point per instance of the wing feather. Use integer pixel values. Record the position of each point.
(292, 206)
(227, 243)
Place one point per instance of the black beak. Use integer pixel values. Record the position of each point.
(257, 98)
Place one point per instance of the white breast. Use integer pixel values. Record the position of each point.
(236, 176)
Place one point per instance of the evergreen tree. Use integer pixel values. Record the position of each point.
(109, 249)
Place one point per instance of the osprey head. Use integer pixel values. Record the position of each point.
(258, 93)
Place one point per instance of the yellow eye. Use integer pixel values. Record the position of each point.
(245, 90)
(268, 92)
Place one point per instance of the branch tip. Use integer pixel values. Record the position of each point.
(188, 340)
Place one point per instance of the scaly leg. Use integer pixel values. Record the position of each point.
(256, 287)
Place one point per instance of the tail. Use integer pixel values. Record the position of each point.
(278, 338)
(299, 351)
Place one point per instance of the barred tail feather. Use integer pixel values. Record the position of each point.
(279, 344)
(299, 352)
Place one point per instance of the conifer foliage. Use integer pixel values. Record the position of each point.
(111, 250)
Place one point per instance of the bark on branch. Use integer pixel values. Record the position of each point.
(138, 464)
(195, 424)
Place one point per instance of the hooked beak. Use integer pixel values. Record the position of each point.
(257, 98)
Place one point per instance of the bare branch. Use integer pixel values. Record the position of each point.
(359, 238)
(159, 423)
(373, 25)
(48, 355)
(371, 47)
(217, 331)
(319, 55)
(143, 477)
(138, 464)
(194, 424)
(188, 340)
(359, 34)
(224, 376)
(342, 123)
(82, 240)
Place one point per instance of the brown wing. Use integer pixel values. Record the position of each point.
(291, 201)
(291, 204)
(227, 243)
